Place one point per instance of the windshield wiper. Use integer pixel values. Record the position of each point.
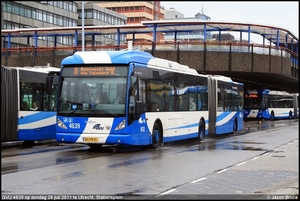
(71, 112)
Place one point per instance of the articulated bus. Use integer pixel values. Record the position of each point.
(133, 98)
(270, 104)
(27, 111)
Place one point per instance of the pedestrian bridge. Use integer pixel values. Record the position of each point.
(273, 66)
(257, 66)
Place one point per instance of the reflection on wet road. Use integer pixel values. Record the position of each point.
(21, 158)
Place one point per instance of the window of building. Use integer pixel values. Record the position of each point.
(44, 16)
(109, 20)
(74, 8)
(16, 9)
(28, 13)
(40, 15)
(7, 7)
(113, 20)
(102, 17)
(89, 14)
(51, 18)
(60, 20)
(22, 11)
(65, 5)
(34, 14)
(55, 19)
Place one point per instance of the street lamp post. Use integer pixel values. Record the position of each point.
(82, 24)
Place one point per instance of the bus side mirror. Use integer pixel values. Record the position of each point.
(49, 82)
(138, 107)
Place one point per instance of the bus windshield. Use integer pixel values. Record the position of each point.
(253, 101)
(99, 95)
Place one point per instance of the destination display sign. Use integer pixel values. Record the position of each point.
(95, 71)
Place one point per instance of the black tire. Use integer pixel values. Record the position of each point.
(272, 116)
(235, 126)
(201, 131)
(29, 143)
(290, 115)
(156, 136)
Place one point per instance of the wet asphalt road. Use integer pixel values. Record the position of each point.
(54, 168)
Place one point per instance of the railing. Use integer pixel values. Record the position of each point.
(158, 46)
(151, 47)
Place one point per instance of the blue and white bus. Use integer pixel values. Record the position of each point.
(161, 90)
(270, 104)
(27, 111)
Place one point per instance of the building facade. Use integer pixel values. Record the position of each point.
(40, 14)
(195, 35)
(136, 12)
(173, 14)
(95, 15)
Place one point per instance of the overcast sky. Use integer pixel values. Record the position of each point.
(283, 14)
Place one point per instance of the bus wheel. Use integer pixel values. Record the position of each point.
(156, 136)
(28, 143)
(272, 116)
(290, 115)
(234, 126)
(201, 131)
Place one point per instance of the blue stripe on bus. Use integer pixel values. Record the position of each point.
(36, 117)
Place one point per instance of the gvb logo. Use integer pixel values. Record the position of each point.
(98, 127)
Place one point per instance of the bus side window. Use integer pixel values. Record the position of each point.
(156, 102)
(132, 99)
(24, 106)
(199, 102)
(220, 106)
(171, 103)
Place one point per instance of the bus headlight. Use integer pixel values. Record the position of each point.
(61, 124)
(121, 125)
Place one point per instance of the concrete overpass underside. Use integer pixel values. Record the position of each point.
(254, 70)
(255, 80)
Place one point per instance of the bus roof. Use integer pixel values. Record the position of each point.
(40, 69)
(124, 57)
(171, 65)
(224, 78)
(279, 93)
(107, 57)
(267, 91)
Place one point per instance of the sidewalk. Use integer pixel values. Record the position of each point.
(274, 173)
(290, 152)
(288, 189)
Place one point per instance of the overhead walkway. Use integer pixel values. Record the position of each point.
(272, 64)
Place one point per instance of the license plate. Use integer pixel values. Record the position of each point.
(90, 139)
